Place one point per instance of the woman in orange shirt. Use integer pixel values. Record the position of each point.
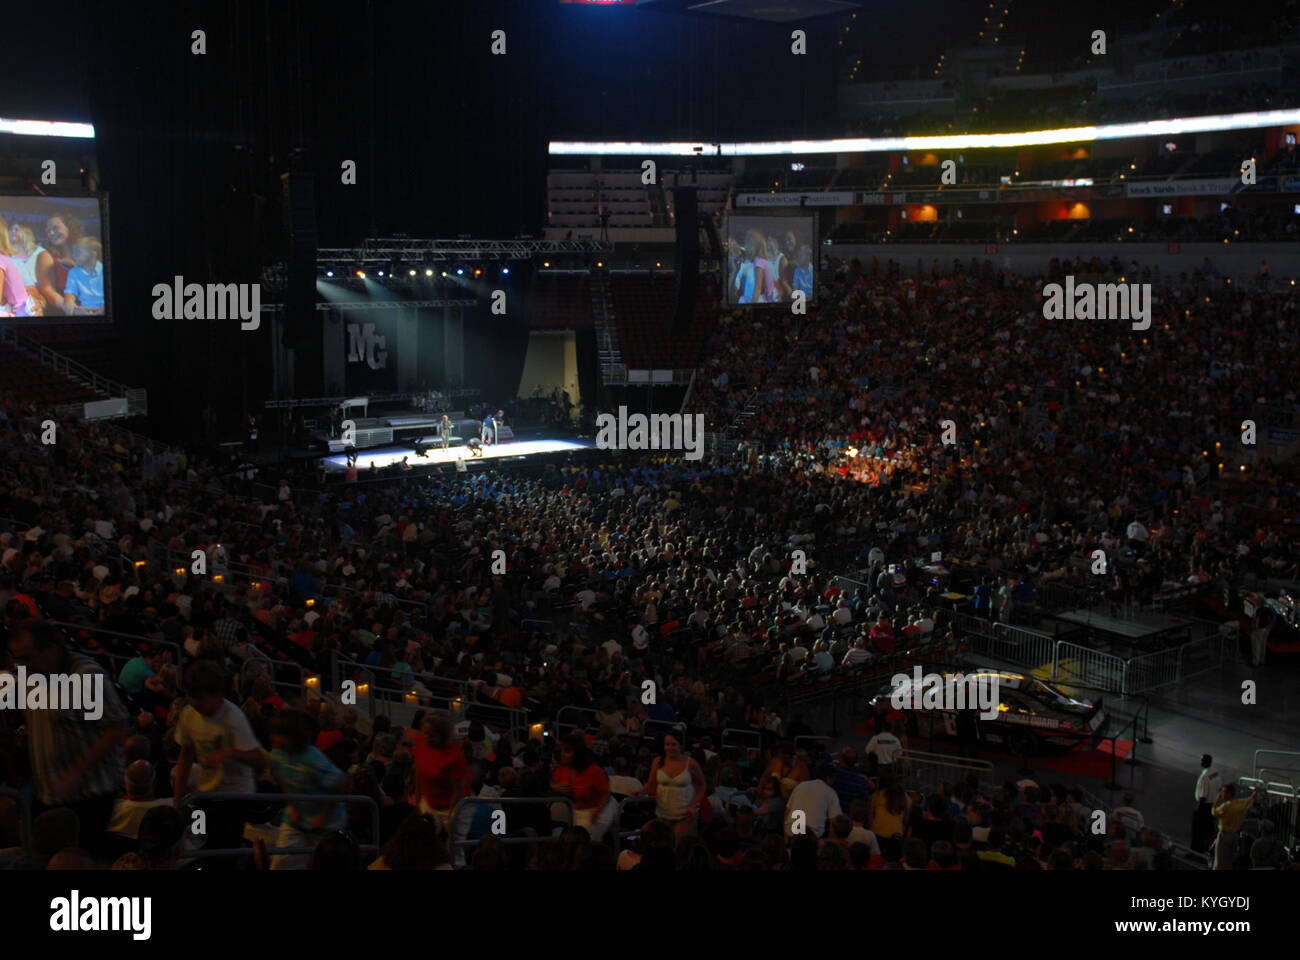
(586, 785)
(440, 768)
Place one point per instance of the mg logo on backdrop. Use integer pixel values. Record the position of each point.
(364, 345)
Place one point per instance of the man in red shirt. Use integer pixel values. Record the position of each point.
(882, 635)
(911, 634)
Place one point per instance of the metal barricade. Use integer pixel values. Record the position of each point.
(559, 718)
(1204, 653)
(1287, 761)
(175, 648)
(925, 771)
(1151, 670)
(1020, 645)
(1280, 805)
(277, 798)
(751, 741)
(673, 726)
(298, 689)
(456, 843)
(1087, 667)
(970, 625)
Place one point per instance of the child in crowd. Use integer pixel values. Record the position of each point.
(298, 767)
(85, 286)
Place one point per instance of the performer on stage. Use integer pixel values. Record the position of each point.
(445, 427)
(489, 429)
(475, 447)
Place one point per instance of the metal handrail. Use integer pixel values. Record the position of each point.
(960, 767)
(454, 843)
(1256, 769)
(463, 688)
(61, 363)
(337, 798)
(300, 689)
(516, 720)
(736, 734)
(559, 716)
(169, 644)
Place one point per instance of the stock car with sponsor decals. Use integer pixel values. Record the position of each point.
(1020, 713)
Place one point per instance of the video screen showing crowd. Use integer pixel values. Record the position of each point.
(769, 259)
(51, 257)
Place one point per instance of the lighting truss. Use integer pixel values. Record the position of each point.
(401, 250)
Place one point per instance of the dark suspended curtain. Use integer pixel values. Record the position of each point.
(495, 348)
(588, 368)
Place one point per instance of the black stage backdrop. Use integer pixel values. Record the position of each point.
(495, 348)
(588, 370)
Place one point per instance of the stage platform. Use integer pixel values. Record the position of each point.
(435, 455)
(383, 431)
(1151, 628)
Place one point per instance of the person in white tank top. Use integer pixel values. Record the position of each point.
(678, 786)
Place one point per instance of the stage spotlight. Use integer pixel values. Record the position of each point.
(478, 271)
(546, 263)
(361, 274)
(329, 273)
(412, 273)
(444, 273)
(381, 273)
(429, 272)
(506, 271)
(460, 271)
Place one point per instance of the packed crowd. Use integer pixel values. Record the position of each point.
(1068, 437)
(645, 574)
(706, 618)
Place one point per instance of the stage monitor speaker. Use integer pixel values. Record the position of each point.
(687, 273)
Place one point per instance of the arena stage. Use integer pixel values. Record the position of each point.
(435, 455)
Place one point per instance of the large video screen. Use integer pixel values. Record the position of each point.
(769, 258)
(52, 252)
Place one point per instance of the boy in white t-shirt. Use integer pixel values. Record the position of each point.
(214, 732)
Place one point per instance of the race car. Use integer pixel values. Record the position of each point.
(1031, 715)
